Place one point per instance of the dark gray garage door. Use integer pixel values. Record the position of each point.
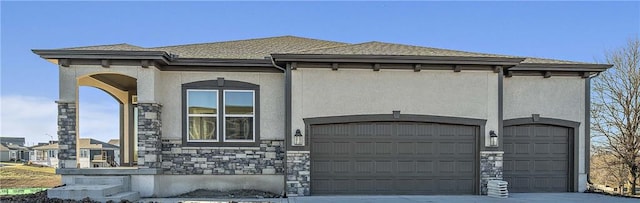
(536, 158)
(393, 158)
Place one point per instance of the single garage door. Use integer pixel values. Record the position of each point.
(393, 158)
(536, 158)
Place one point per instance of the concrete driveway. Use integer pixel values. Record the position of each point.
(514, 198)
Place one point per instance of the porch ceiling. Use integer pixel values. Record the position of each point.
(122, 82)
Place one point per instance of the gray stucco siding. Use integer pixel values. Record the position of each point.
(323, 92)
(555, 97)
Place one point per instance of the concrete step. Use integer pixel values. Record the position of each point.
(102, 180)
(81, 191)
(130, 196)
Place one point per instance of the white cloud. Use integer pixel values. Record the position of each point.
(35, 117)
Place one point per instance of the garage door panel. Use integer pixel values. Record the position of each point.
(522, 148)
(406, 148)
(406, 167)
(465, 148)
(464, 167)
(396, 158)
(364, 148)
(446, 148)
(424, 148)
(536, 158)
(425, 167)
(384, 167)
(341, 166)
(321, 166)
(320, 148)
(541, 148)
(384, 148)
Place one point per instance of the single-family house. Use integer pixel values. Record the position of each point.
(13, 149)
(4, 153)
(45, 155)
(302, 116)
(92, 154)
(95, 154)
(13, 140)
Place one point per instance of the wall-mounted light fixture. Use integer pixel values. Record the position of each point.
(298, 139)
(493, 139)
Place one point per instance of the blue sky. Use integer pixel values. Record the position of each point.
(578, 31)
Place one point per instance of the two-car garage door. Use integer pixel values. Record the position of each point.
(393, 158)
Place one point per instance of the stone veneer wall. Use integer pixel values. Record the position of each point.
(67, 135)
(149, 135)
(267, 159)
(298, 173)
(490, 168)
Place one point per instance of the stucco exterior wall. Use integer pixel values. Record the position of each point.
(69, 75)
(554, 97)
(271, 100)
(324, 92)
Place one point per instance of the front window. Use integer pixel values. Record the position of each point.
(220, 113)
(52, 153)
(202, 115)
(84, 153)
(238, 115)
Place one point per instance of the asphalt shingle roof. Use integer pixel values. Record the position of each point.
(382, 48)
(262, 47)
(115, 47)
(247, 49)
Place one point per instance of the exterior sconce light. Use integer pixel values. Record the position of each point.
(493, 139)
(298, 139)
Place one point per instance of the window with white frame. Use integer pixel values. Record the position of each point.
(220, 113)
(202, 115)
(239, 115)
(84, 153)
(52, 153)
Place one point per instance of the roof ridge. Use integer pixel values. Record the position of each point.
(529, 59)
(329, 47)
(443, 49)
(241, 40)
(104, 45)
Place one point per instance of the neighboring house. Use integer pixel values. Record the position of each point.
(92, 154)
(4, 153)
(95, 154)
(14, 149)
(13, 140)
(115, 142)
(46, 155)
(312, 117)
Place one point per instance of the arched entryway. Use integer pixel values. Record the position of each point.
(123, 89)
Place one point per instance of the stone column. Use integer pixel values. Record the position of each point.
(490, 168)
(298, 177)
(67, 135)
(149, 135)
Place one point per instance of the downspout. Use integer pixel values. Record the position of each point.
(587, 125)
(287, 119)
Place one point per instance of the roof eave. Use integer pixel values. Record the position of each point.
(101, 54)
(561, 67)
(339, 58)
(166, 61)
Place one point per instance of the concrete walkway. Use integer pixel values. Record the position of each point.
(514, 198)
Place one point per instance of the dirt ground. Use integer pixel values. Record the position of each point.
(229, 194)
(17, 175)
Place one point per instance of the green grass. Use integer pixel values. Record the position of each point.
(21, 191)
